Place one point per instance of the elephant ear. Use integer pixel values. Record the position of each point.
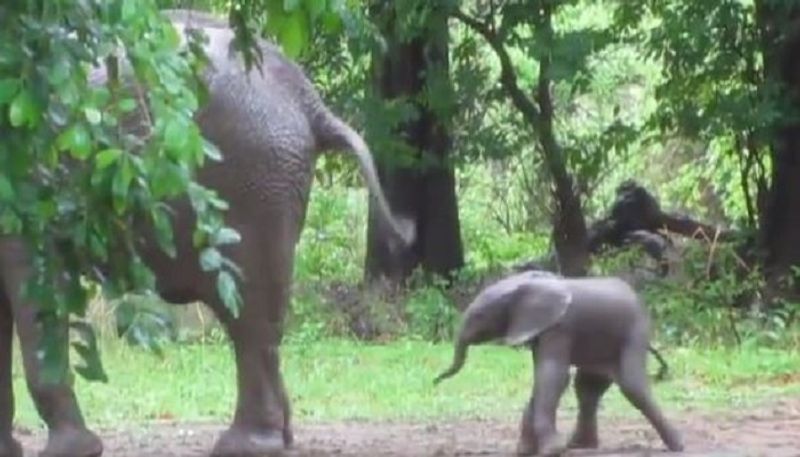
(540, 305)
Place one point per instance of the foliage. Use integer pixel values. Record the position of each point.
(75, 184)
(431, 314)
(711, 296)
(716, 86)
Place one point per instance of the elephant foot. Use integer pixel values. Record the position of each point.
(235, 442)
(583, 439)
(527, 444)
(532, 444)
(674, 444)
(9, 447)
(288, 437)
(552, 446)
(527, 447)
(72, 442)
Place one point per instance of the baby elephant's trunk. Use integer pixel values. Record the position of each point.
(459, 357)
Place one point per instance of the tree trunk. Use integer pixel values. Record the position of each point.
(780, 232)
(427, 195)
(570, 236)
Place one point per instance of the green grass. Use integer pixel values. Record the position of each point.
(336, 379)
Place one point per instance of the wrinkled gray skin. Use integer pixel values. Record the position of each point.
(595, 324)
(663, 367)
(270, 128)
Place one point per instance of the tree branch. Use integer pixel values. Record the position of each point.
(529, 110)
(569, 224)
(508, 77)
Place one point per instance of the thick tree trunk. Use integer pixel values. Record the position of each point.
(780, 232)
(425, 194)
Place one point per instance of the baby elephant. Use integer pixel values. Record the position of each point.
(599, 325)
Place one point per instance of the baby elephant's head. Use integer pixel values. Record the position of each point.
(513, 310)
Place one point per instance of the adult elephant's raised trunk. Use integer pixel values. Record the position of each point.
(459, 357)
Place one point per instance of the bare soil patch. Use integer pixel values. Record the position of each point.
(772, 430)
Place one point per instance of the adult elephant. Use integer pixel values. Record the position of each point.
(269, 125)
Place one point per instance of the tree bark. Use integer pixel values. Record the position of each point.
(570, 235)
(780, 232)
(426, 194)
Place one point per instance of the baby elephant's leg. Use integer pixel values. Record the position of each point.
(589, 388)
(635, 386)
(539, 421)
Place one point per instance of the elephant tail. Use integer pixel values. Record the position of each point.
(663, 368)
(334, 133)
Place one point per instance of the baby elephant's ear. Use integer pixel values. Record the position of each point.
(540, 304)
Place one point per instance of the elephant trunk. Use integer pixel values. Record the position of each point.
(336, 134)
(459, 357)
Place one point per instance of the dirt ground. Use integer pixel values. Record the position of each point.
(772, 430)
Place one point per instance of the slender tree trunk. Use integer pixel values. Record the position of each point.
(424, 191)
(780, 232)
(570, 235)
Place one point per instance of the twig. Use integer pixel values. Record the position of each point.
(711, 253)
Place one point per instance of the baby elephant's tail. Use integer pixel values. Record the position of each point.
(663, 368)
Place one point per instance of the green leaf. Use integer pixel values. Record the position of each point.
(315, 8)
(290, 5)
(143, 322)
(332, 22)
(121, 184)
(89, 352)
(10, 222)
(92, 115)
(164, 233)
(275, 17)
(226, 235)
(295, 34)
(126, 105)
(53, 353)
(175, 135)
(24, 110)
(8, 88)
(210, 259)
(106, 157)
(226, 287)
(211, 151)
(6, 189)
(77, 141)
(130, 9)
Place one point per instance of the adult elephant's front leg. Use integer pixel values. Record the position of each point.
(56, 403)
(261, 421)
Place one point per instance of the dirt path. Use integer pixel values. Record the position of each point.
(772, 431)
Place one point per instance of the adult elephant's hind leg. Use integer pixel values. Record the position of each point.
(261, 422)
(56, 403)
(8, 446)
